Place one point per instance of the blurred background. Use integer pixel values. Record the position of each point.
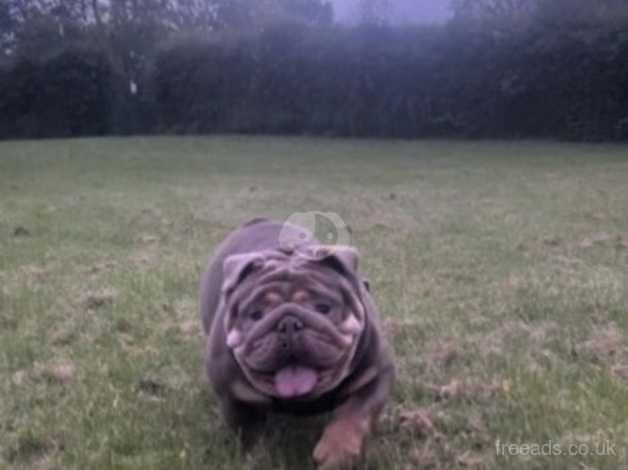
(377, 68)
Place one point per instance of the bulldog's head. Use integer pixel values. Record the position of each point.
(293, 322)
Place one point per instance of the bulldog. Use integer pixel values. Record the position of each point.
(292, 327)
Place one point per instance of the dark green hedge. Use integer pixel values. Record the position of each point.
(70, 94)
(568, 83)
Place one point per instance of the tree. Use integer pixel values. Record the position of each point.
(36, 28)
(522, 13)
(250, 15)
(500, 14)
(375, 12)
(582, 11)
(7, 36)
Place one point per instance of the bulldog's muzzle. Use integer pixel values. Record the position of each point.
(288, 329)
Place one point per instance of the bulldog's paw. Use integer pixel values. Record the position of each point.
(341, 446)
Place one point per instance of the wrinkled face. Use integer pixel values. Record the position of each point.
(292, 323)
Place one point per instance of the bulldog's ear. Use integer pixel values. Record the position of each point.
(344, 259)
(236, 267)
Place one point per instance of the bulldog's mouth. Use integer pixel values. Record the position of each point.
(295, 381)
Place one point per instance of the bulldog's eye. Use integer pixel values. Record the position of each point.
(256, 315)
(322, 308)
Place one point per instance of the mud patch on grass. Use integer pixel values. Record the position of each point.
(34, 273)
(145, 257)
(505, 338)
(100, 267)
(33, 450)
(605, 346)
(439, 438)
(443, 353)
(59, 371)
(467, 390)
(99, 299)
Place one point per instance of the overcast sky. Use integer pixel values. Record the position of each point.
(413, 11)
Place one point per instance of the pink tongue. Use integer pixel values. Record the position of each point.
(294, 381)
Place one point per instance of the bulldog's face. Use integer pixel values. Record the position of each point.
(293, 322)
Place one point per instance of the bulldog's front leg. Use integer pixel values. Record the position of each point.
(245, 420)
(343, 442)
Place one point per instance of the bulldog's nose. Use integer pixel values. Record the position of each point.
(289, 325)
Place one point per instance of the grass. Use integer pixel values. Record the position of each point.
(501, 270)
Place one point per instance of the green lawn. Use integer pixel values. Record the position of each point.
(500, 268)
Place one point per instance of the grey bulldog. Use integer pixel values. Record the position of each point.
(293, 328)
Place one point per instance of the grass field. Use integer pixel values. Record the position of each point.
(501, 270)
